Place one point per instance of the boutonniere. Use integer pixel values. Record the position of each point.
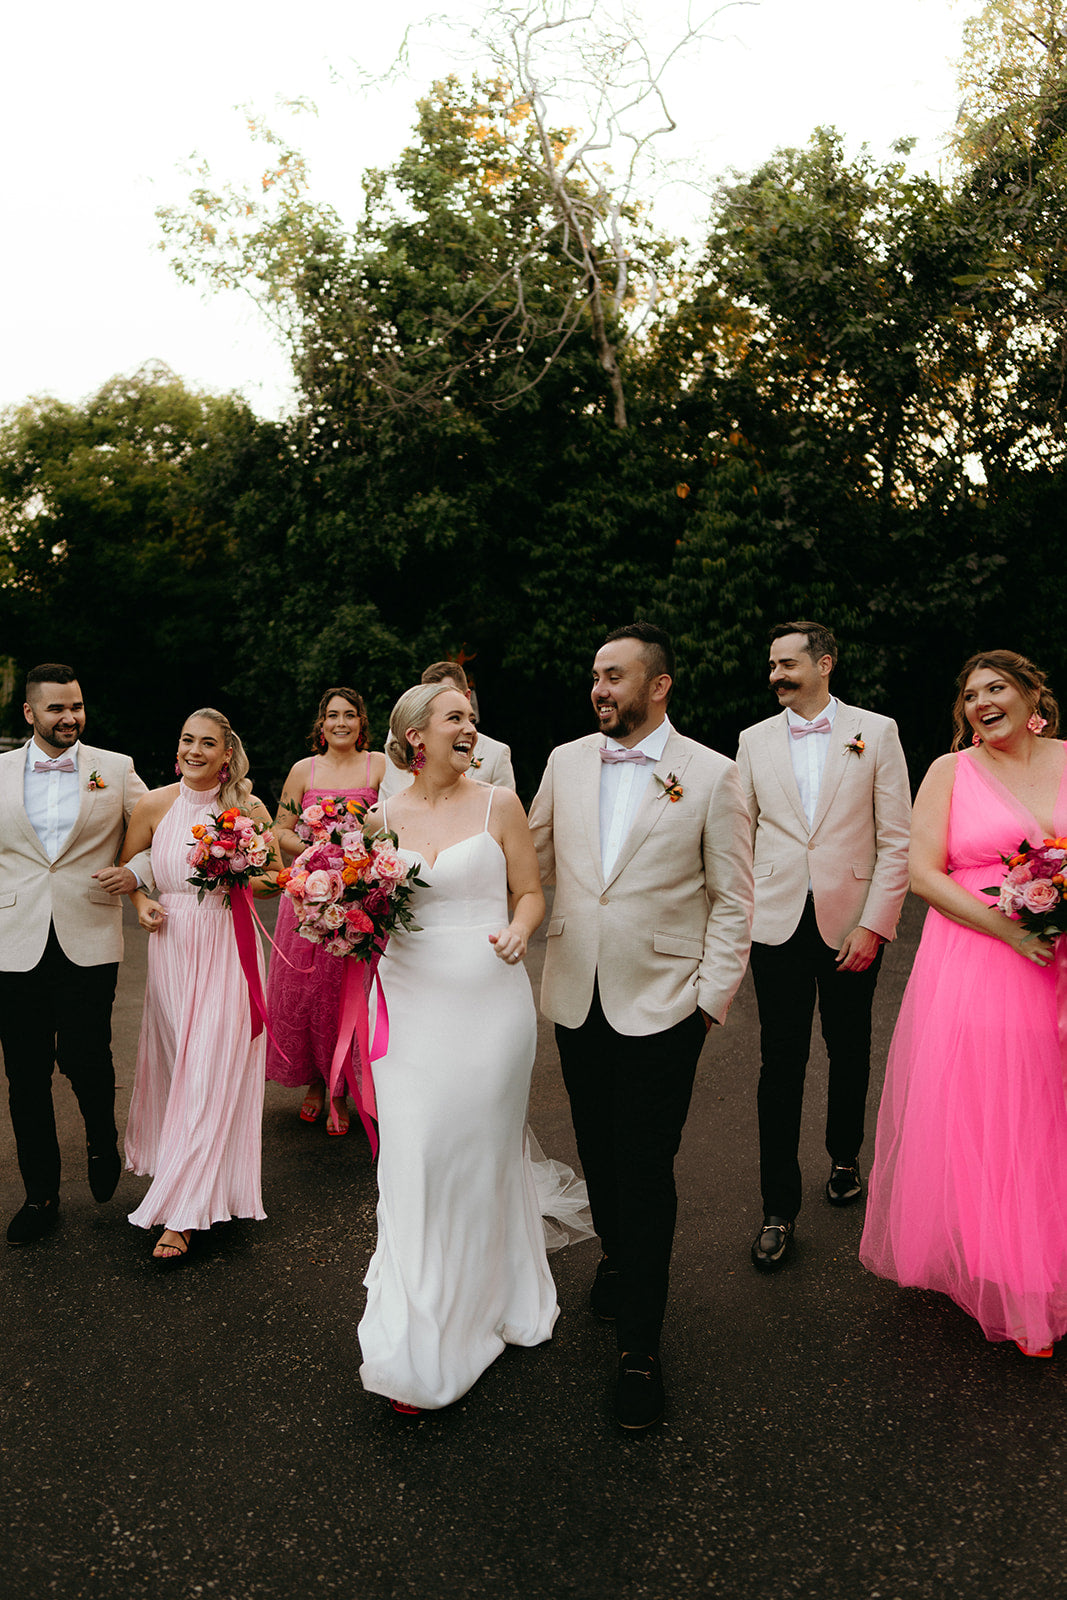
(476, 762)
(670, 786)
(855, 745)
(96, 781)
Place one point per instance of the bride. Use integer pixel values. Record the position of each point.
(460, 1268)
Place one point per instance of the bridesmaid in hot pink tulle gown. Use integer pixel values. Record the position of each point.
(968, 1192)
(304, 984)
(197, 1103)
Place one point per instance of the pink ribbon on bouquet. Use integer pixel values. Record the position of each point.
(245, 935)
(355, 1021)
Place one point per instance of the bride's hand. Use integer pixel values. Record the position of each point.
(509, 944)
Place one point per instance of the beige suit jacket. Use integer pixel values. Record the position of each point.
(855, 853)
(668, 930)
(491, 764)
(35, 892)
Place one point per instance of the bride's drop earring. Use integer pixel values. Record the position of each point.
(420, 759)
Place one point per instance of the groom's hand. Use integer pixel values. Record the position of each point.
(858, 951)
(117, 880)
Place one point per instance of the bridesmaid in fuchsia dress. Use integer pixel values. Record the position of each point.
(304, 986)
(968, 1192)
(197, 1105)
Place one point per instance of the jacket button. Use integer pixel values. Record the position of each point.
(603, 899)
(811, 844)
(52, 868)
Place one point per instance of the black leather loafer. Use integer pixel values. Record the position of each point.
(638, 1391)
(770, 1245)
(105, 1169)
(33, 1221)
(604, 1294)
(844, 1185)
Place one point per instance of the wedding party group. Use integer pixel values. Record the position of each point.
(411, 882)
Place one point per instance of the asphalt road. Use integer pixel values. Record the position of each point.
(204, 1432)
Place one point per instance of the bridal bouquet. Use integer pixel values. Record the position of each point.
(348, 893)
(229, 850)
(1034, 890)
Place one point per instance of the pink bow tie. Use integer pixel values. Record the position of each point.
(820, 725)
(622, 755)
(61, 764)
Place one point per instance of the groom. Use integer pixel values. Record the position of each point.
(64, 807)
(646, 837)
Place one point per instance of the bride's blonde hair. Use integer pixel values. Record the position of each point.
(237, 790)
(412, 710)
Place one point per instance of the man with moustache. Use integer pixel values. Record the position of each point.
(827, 791)
(490, 761)
(646, 837)
(64, 807)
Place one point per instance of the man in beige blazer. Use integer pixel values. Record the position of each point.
(490, 761)
(827, 790)
(64, 807)
(645, 835)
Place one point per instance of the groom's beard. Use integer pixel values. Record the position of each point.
(60, 738)
(625, 720)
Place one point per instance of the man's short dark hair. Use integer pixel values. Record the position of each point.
(821, 641)
(658, 650)
(50, 672)
(446, 672)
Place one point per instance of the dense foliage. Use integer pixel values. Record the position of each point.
(849, 405)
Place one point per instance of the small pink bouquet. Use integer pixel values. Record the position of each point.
(1034, 891)
(318, 821)
(229, 850)
(349, 893)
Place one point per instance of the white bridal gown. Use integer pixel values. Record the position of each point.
(460, 1268)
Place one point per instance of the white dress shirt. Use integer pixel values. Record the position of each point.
(51, 798)
(622, 788)
(809, 755)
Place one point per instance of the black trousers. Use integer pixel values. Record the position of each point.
(629, 1101)
(57, 1013)
(788, 978)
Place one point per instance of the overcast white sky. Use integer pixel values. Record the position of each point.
(101, 105)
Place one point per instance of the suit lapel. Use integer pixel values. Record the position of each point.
(782, 762)
(13, 795)
(85, 799)
(654, 803)
(846, 726)
(589, 780)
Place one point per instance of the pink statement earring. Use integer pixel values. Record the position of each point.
(1036, 723)
(178, 768)
(976, 738)
(224, 773)
(420, 759)
(322, 741)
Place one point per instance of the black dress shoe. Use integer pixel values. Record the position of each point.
(771, 1243)
(34, 1220)
(604, 1294)
(844, 1185)
(105, 1169)
(638, 1391)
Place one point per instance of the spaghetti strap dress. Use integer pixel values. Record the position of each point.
(968, 1192)
(304, 982)
(459, 1269)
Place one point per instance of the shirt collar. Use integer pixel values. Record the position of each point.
(828, 711)
(34, 752)
(653, 745)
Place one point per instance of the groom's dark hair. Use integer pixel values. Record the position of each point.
(50, 672)
(658, 650)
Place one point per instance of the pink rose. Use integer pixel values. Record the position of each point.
(386, 866)
(376, 900)
(239, 862)
(319, 886)
(1018, 875)
(358, 921)
(313, 815)
(334, 916)
(1040, 895)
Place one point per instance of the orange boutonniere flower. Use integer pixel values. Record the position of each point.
(856, 745)
(96, 781)
(670, 786)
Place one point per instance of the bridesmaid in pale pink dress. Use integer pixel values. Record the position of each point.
(197, 1103)
(304, 984)
(968, 1193)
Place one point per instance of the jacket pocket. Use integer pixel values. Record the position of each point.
(865, 874)
(8, 899)
(763, 869)
(555, 927)
(676, 944)
(100, 897)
